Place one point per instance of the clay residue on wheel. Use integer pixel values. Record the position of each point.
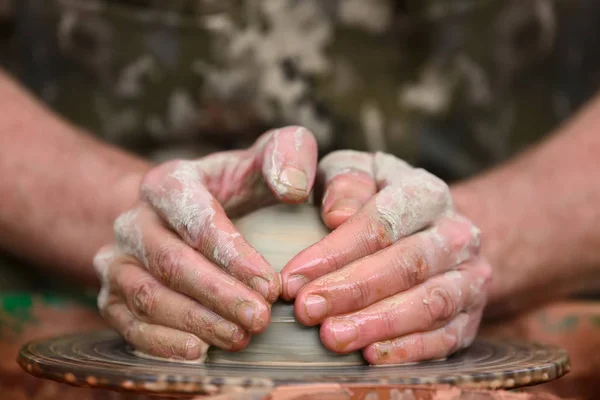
(200, 360)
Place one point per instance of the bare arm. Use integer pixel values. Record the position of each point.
(540, 216)
(60, 189)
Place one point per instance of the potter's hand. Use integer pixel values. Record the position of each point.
(400, 276)
(180, 276)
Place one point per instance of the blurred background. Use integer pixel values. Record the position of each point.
(461, 84)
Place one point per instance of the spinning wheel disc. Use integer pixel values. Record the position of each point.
(102, 359)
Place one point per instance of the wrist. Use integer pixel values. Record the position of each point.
(512, 239)
(529, 237)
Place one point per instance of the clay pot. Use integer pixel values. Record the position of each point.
(279, 233)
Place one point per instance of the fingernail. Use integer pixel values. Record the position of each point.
(344, 332)
(194, 348)
(294, 178)
(226, 332)
(261, 286)
(294, 284)
(383, 349)
(316, 307)
(245, 313)
(346, 205)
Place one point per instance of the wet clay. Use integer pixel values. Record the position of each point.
(279, 233)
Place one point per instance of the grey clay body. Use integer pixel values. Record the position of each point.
(279, 233)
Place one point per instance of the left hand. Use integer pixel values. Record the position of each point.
(400, 277)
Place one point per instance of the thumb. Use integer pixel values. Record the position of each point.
(287, 158)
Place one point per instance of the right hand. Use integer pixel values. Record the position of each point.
(180, 277)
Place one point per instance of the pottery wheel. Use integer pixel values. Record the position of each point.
(286, 352)
(102, 359)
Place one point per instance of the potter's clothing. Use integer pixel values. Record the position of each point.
(452, 85)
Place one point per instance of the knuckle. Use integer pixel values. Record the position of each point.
(385, 225)
(411, 266)
(433, 186)
(468, 235)
(342, 161)
(154, 180)
(388, 323)
(192, 322)
(439, 305)
(332, 262)
(419, 347)
(388, 167)
(461, 235)
(362, 293)
(461, 238)
(145, 298)
(166, 262)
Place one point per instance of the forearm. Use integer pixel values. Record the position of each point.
(540, 216)
(60, 189)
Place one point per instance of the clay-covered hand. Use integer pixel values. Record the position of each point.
(180, 277)
(400, 277)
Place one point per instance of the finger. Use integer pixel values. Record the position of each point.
(406, 264)
(136, 230)
(188, 195)
(395, 212)
(349, 183)
(439, 343)
(179, 196)
(184, 270)
(288, 159)
(152, 339)
(421, 309)
(150, 301)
